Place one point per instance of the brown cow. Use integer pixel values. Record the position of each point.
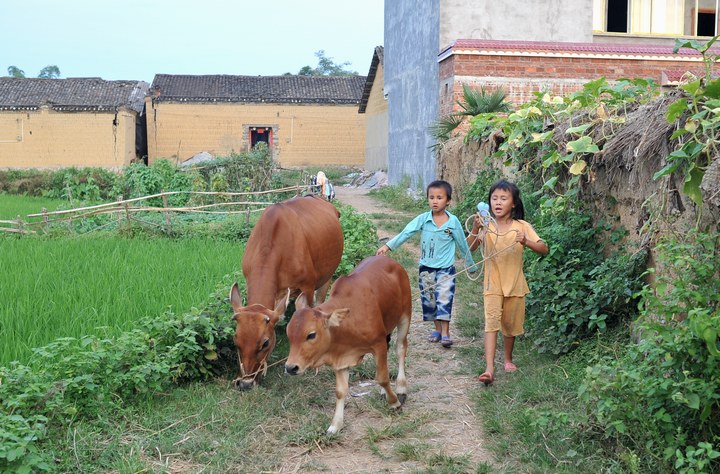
(295, 245)
(358, 317)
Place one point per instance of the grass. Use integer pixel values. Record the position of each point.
(55, 287)
(532, 419)
(12, 206)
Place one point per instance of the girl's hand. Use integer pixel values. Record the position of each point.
(520, 237)
(383, 250)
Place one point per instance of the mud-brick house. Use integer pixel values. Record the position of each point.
(374, 105)
(304, 120)
(56, 123)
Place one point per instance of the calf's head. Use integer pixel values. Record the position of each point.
(254, 337)
(309, 335)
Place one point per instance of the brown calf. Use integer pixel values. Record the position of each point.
(358, 317)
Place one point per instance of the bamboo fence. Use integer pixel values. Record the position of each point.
(128, 209)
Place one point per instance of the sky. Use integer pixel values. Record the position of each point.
(136, 39)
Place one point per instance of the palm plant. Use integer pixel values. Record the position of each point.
(474, 102)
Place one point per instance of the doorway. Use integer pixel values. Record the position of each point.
(260, 134)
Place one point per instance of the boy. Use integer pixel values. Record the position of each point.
(441, 235)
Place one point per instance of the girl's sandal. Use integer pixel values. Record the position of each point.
(446, 342)
(486, 378)
(434, 336)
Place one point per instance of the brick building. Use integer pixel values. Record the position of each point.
(56, 123)
(304, 120)
(431, 48)
(521, 68)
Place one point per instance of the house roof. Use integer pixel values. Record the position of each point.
(464, 46)
(71, 95)
(377, 60)
(271, 89)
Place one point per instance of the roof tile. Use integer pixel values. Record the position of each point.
(273, 89)
(73, 94)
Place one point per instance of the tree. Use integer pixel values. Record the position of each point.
(49, 72)
(14, 71)
(326, 67)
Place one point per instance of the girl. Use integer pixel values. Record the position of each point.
(505, 286)
(441, 234)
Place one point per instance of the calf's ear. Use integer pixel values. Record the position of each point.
(301, 302)
(337, 317)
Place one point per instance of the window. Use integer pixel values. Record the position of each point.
(656, 17)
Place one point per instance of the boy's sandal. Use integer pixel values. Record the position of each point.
(486, 378)
(446, 342)
(434, 336)
(510, 367)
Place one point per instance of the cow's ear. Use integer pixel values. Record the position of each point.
(301, 302)
(337, 317)
(281, 305)
(235, 298)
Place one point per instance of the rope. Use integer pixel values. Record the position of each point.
(478, 265)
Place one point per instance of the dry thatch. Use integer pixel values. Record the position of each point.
(644, 138)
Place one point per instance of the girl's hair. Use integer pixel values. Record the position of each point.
(518, 212)
(440, 184)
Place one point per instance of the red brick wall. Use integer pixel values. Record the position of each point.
(520, 76)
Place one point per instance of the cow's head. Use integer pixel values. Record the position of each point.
(254, 337)
(309, 335)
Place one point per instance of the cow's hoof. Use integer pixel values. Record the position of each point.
(332, 430)
(402, 397)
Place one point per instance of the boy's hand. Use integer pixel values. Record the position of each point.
(383, 250)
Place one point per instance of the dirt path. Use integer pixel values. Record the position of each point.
(438, 416)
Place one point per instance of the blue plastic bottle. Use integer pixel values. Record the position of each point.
(484, 211)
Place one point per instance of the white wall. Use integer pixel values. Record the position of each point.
(523, 20)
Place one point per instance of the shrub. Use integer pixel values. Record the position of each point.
(162, 176)
(575, 289)
(660, 401)
(242, 172)
(73, 378)
(360, 239)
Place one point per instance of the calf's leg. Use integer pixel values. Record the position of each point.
(382, 375)
(342, 378)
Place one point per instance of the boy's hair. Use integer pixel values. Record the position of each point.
(518, 212)
(440, 184)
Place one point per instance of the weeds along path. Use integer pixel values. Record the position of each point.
(437, 426)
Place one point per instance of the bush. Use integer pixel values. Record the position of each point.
(242, 172)
(360, 239)
(660, 401)
(83, 184)
(162, 176)
(575, 289)
(78, 378)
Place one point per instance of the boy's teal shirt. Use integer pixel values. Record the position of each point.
(437, 244)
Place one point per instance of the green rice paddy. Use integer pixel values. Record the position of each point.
(74, 286)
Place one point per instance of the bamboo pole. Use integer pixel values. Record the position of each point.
(167, 215)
